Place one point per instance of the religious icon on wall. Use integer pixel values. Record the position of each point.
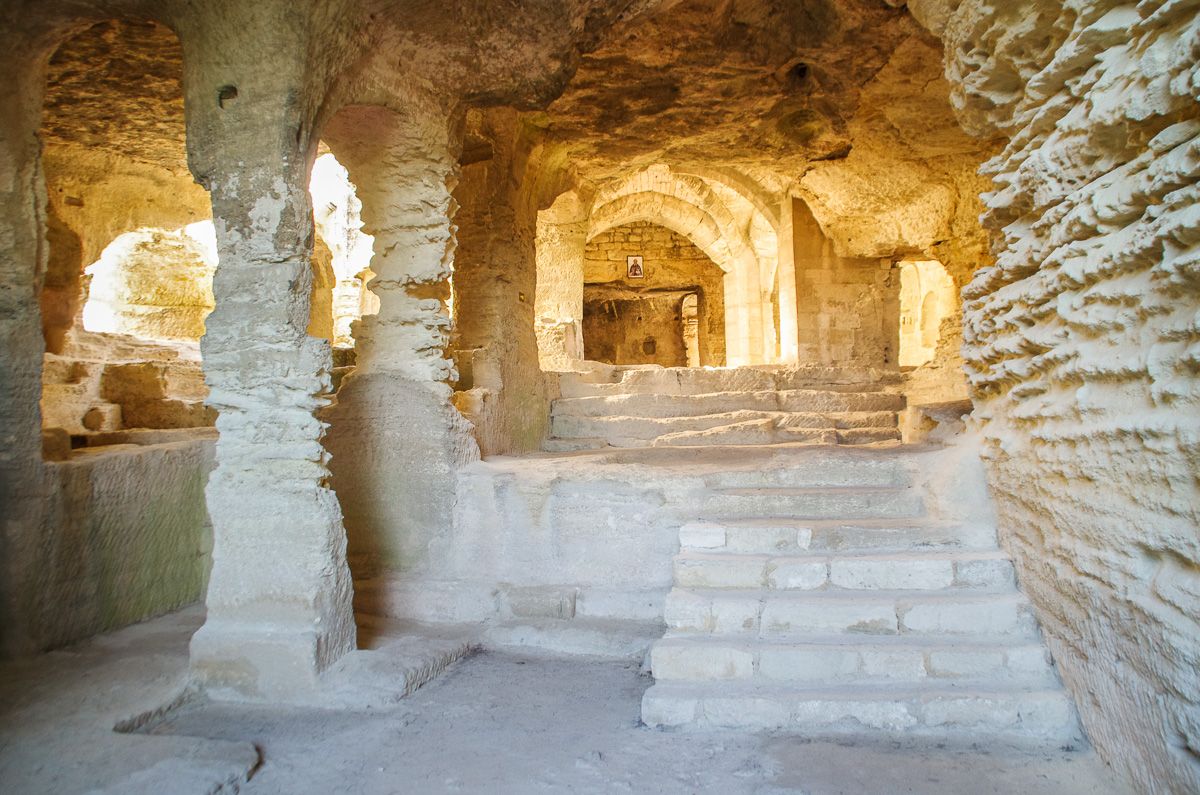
(633, 267)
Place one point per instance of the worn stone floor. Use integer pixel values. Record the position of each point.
(496, 722)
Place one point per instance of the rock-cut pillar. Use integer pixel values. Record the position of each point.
(280, 595)
(22, 254)
(396, 439)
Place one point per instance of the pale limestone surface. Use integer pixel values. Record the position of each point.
(1080, 349)
(1079, 337)
(497, 723)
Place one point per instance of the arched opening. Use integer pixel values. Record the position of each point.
(927, 297)
(637, 278)
(341, 261)
(127, 437)
(154, 284)
(131, 248)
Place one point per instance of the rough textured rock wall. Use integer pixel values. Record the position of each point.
(1081, 349)
(562, 230)
(670, 262)
(22, 257)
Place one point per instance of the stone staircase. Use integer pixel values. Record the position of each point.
(661, 407)
(825, 601)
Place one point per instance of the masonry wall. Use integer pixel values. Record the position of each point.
(1082, 349)
(847, 308)
(635, 330)
(671, 263)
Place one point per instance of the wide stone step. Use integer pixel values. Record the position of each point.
(836, 659)
(793, 614)
(668, 406)
(985, 570)
(696, 381)
(783, 536)
(1043, 717)
(812, 503)
(768, 432)
(573, 445)
(815, 468)
(566, 426)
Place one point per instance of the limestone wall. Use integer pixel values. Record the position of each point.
(671, 262)
(1081, 348)
(126, 536)
(633, 328)
(500, 386)
(848, 308)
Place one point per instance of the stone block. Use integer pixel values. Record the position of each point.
(984, 573)
(735, 614)
(727, 571)
(760, 539)
(966, 663)
(702, 535)
(540, 601)
(700, 661)
(828, 615)
(745, 712)
(56, 444)
(850, 714)
(687, 611)
(1032, 660)
(797, 574)
(891, 574)
(661, 708)
(121, 383)
(976, 617)
(791, 664)
(900, 664)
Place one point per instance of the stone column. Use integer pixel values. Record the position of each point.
(745, 324)
(22, 253)
(501, 387)
(393, 414)
(789, 333)
(558, 313)
(279, 599)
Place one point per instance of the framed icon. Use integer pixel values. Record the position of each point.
(634, 268)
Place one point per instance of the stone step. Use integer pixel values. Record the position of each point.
(792, 614)
(926, 571)
(817, 468)
(592, 637)
(573, 445)
(566, 426)
(696, 381)
(668, 406)
(1042, 717)
(822, 502)
(834, 659)
(767, 432)
(783, 536)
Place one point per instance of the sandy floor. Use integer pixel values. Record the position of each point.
(494, 723)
